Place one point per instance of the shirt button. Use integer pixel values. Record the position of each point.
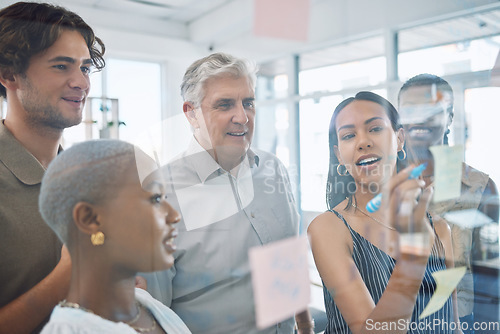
(252, 215)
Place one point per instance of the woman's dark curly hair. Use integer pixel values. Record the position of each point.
(28, 28)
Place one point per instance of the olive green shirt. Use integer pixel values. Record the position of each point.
(29, 249)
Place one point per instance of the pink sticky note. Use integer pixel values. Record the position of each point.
(280, 279)
(287, 19)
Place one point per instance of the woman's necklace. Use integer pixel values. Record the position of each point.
(373, 218)
(145, 330)
(65, 303)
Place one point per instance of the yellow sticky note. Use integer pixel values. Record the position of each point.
(446, 281)
(447, 171)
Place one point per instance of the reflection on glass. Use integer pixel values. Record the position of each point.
(348, 75)
(314, 122)
(463, 57)
(481, 110)
(137, 86)
(271, 87)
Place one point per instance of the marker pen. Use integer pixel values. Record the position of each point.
(374, 204)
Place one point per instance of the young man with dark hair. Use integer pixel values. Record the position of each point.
(46, 56)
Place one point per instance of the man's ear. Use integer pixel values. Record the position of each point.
(85, 218)
(400, 138)
(8, 79)
(190, 113)
(450, 118)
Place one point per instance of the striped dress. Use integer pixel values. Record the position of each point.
(376, 267)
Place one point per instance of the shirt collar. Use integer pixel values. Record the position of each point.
(18, 160)
(205, 165)
(465, 177)
(474, 179)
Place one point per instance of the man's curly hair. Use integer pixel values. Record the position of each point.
(28, 28)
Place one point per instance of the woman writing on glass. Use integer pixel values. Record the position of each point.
(374, 281)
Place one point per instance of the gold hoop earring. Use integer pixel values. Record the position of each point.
(97, 238)
(404, 154)
(345, 170)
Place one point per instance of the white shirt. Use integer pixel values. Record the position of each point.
(66, 320)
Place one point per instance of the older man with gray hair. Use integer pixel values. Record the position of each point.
(231, 198)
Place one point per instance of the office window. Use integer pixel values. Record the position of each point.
(137, 87)
(272, 80)
(315, 118)
(461, 44)
(271, 130)
(482, 118)
(361, 73)
(352, 64)
(272, 87)
(461, 57)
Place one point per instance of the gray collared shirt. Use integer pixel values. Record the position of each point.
(209, 286)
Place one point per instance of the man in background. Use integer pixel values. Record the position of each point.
(426, 109)
(46, 56)
(231, 198)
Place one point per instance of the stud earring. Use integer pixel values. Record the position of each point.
(97, 238)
